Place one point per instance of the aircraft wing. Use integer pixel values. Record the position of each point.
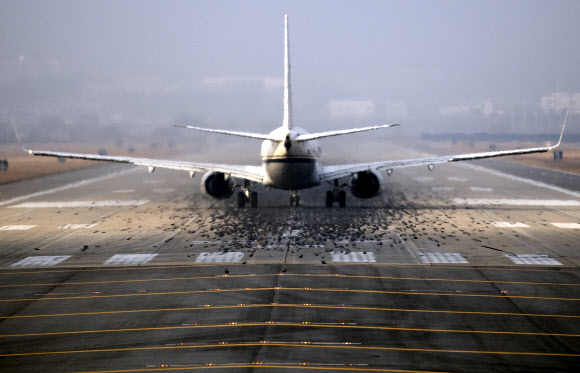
(335, 172)
(253, 173)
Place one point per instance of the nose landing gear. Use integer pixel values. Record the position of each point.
(294, 198)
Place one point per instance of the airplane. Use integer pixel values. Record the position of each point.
(290, 160)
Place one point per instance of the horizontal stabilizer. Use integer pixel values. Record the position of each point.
(259, 136)
(319, 135)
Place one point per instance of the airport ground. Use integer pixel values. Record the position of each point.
(464, 269)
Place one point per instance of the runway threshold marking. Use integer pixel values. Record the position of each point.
(291, 324)
(40, 261)
(265, 366)
(567, 270)
(532, 259)
(442, 258)
(129, 259)
(216, 291)
(515, 202)
(333, 276)
(273, 305)
(305, 345)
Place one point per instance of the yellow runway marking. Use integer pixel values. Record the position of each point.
(287, 324)
(257, 344)
(290, 306)
(292, 275)
(426, 267)
(289, 289)
(265, 366)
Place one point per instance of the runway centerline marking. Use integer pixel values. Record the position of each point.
(507, 224)
(480, 189)
(78, 226)
(67, 186)
(332, 276)
(215, 291)
(62, 204)
(17, 227)
(290, 324)
(339, 345)
(278, 305)
(567, 225)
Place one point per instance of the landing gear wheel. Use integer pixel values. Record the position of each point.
(254, 199)
(294, 198)
(342, 198)
(241, 199)
(329, 198)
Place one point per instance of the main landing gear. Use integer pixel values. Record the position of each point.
(336, 195)
(246, 195)
(294, 198)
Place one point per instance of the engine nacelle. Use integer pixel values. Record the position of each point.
(216, 185)
(366, 184)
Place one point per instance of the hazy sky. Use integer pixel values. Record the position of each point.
(459, 65)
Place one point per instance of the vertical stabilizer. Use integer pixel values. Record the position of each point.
(287, 123)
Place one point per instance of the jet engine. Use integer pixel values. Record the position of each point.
(366, 184)
(217, 185)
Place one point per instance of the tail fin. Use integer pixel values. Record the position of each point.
(287, 123)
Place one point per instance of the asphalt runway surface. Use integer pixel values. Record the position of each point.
(463, 269)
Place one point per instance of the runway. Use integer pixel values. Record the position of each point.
(461, 269)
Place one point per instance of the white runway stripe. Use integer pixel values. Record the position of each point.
(479, 189)
(129, 259)
(532, 259)
(521, 179)
(218, 257)
(124, 191)
(423, 179)
(77, 226)
(354, 256)
(41, 261)
(567, 225)
(506, 224)
(17, 227)
(67, 186)
(515, 202)
(446, 258)
(163, 190)
(36, 205)
(442, 188)
(460, 179)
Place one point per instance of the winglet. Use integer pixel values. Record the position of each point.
(16, 134)
(561, 133)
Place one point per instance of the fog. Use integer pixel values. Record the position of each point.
(435, 66)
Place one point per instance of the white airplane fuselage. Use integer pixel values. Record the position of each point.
(290, 165)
